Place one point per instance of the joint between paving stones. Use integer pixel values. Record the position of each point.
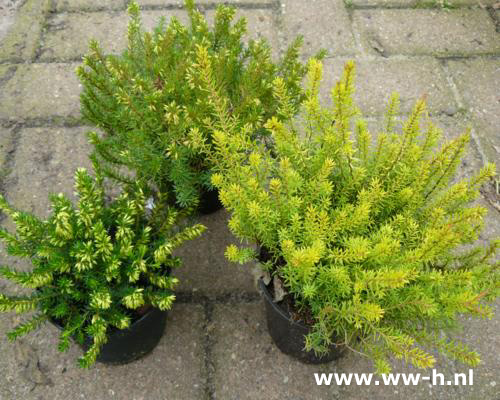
(356, 34)
(359, 56)
(232, 297)
(243, 6)
(280, 27)
(458, 98)
(8, 75)
(491, 56)
(451, 83)
(9, 157)
(47, 122)
(208, 343)
(171, 6)
(402, 6)
(45, 29)
(494, 16)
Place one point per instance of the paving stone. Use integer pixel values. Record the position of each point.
(260, 24)
(173, 370)
(8, 13)
(417, 3)
(21, 41)
(158, 3)
(447, 33)
(478, 81)
(205, 269)
(69, 34)
(376, 79)
(324, 24)
(44, 162)
(41, 91)
(89, 5)
(202, 2)
(248, 365)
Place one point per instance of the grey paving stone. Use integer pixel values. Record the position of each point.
(8, 14)
(447, 32)
(324, 24)
(161, 2)
(21, 41)
(34, 369)
(69, 34)
(89, 5)
(205, 270)
(201, 2)
(150, 18)
(249, 366)
(41, 91)
(478, 81)
(44, 162)
(260, 24)
(418, 3)
(376, 79)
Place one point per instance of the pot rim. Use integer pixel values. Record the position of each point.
(276, 307)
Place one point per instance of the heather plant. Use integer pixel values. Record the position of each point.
(97, 267)
(373, 243)
(149, 103)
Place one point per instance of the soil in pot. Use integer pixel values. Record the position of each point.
(288, 333)
(209, 201)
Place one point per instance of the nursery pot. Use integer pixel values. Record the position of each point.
(126, 345)
(288, 334)
(139, 339)
(209, 201)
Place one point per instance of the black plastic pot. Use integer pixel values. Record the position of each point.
(289, 335)
(126, 345)
(209, 201)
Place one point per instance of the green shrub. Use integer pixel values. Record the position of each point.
(93, 266)
(149, 103)
(368, 239)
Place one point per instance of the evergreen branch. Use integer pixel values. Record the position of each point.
(27, 327)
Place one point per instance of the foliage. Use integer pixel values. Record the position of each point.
(149, 103)
(374, 240)
(94, 266)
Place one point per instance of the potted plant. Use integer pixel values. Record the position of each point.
(363, 247)
(149, 104)
(101, 272)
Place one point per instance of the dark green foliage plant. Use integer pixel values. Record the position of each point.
(374, 241)
(94, 266)
(149, 104)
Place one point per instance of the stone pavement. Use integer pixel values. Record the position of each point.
(216, 345)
